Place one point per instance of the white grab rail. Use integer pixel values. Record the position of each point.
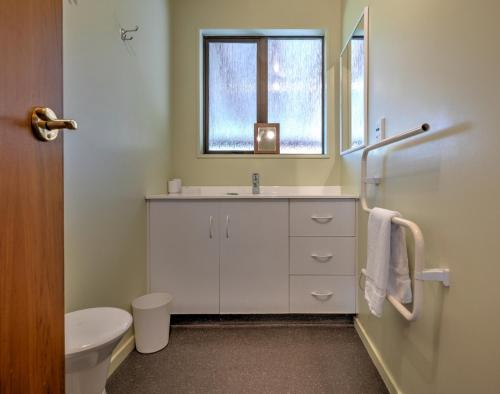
(437, 274)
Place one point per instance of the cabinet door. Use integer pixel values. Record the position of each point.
(184, 254)
(254, 256)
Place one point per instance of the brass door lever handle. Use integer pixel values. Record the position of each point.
(46, 125)
(57, 124)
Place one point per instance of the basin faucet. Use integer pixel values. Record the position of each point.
(255, 183)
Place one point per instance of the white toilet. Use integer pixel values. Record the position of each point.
(91, 336)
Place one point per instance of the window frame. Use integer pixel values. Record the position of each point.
(262, 86)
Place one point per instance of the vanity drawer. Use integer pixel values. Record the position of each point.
(322, 255)
(322, 294)
(322, 218)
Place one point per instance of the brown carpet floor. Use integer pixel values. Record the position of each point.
(286, 359)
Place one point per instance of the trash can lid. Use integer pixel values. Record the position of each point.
(152, 300)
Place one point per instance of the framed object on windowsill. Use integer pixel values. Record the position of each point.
(266, 138)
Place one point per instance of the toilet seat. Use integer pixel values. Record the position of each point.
(91, 328)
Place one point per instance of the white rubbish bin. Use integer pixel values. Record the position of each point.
(151, 321)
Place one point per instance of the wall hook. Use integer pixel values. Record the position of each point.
(124, 32)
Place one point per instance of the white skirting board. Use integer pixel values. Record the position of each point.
(377, 359)
(121, 353)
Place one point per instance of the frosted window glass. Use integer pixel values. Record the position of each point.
(232, 96)
(295, 75)
(357, 92)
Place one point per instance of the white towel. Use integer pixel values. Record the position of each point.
(387, 261)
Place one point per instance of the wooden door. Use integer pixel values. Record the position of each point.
(254, 256)
(184, 254)
(31, 201)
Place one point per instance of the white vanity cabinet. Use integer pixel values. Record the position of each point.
(253, 255)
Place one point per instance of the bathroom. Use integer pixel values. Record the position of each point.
(97, 228)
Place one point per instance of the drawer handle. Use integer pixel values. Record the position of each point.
(322, 219)
(322, 296)
(211, 231)
(322, 259)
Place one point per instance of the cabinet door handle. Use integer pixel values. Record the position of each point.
(227, 226)
(322, 259)
(211, 231)
(322, 219)
(323, 296)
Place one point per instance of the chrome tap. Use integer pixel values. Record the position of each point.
(255, 183)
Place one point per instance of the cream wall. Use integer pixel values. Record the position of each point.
(438, 62)
(118, 93)
(189, 17)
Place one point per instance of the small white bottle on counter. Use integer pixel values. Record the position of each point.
(174, 186)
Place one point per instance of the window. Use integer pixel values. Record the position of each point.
(266, 80)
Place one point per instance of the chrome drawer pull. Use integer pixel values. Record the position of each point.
(322, 259)
(322, 296)
(211, 232)
(322, 219)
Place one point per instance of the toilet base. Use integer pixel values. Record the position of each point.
(88, 380)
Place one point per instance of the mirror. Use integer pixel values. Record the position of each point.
(267, 138)
(354, 89)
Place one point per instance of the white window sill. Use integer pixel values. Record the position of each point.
(260, 156)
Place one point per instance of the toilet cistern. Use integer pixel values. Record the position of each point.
(255, 183)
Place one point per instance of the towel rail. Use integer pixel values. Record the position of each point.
(438, 274)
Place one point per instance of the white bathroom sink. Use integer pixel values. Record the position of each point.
(217, 192)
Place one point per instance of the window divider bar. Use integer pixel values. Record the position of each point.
(262, 81)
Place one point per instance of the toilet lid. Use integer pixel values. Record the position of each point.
(93, 327)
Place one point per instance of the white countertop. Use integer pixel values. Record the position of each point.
(245, 192)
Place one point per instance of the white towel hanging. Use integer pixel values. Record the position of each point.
(387, 261)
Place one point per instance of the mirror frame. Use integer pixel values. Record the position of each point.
(364, 17)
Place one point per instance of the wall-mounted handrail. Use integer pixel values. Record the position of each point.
(387, 141)
(421, 275)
